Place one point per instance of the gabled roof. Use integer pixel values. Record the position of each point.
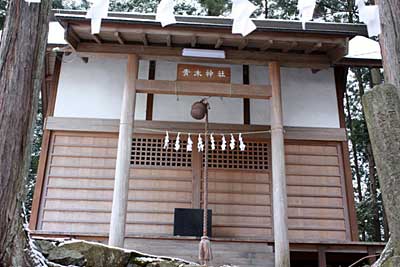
(319, 45)
(208, 22)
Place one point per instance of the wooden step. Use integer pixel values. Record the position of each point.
(241, 254)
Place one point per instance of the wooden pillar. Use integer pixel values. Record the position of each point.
(121, 184)
(282, 253)
(321, 257)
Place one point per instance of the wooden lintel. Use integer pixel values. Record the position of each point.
(97, 38)
(313, 48)
(267, 45)
(290, 47)
(193, 42)
(71, 37)
(203, 89)
(233, 56)
(243, 44)
(144, 39)
(219, 42)
(119, 38)
(169, 40)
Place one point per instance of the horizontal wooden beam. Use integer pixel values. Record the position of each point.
(71, 37)
(243, 44)
(313, 48)
(144, 39)
(203, 89)
(169, 40)
(267, 45)
(119, 38)
(290, 46)
(96, 38)
(217, 33)
(112, 126)
(233, 56)
(340, 51)
(219, 42)
(193, 42)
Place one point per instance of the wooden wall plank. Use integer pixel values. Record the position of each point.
(80, 184)
(41, 172)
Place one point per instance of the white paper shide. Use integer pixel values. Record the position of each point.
(306, 10)
(165, 12)
(241, 12)
(370, 16)
(96, 13)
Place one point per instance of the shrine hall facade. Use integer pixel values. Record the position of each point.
(279, 78)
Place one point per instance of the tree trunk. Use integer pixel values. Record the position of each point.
(22, 53)
(385, 225)
(389, 11)
(382, 113)
(390, 40)
(376, 231)
(350, 10)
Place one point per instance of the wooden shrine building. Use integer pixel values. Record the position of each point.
(110, 97)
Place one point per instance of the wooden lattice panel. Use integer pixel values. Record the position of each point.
(255, 157)
(149, 151)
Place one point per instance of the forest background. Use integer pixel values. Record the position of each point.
(370, 213)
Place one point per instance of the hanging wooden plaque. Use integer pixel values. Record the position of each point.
(199, 73)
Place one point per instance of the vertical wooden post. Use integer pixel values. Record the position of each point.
(121, 184)
(282, 253)
(321, 257)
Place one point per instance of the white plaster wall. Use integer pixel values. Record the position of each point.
(177, 108)
(309, 99)
(94, 90)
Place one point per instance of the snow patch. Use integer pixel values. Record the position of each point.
(364, 48)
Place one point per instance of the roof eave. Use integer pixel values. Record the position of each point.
(269, 25)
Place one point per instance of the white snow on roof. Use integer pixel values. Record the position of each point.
(56, 33)
(364, 48)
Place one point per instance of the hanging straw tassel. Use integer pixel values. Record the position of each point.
(205, 253)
